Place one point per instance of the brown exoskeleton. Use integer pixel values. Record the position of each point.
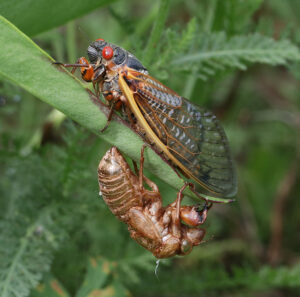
(158, 229)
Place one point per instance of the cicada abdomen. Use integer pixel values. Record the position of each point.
(156, 228)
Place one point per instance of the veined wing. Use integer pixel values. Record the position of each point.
(191, 137)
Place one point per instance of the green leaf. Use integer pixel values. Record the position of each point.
(34, 17)
(50, 287)
(98, 272)
(116, 289)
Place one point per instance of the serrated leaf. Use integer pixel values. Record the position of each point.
(217, 52)
(28, 257)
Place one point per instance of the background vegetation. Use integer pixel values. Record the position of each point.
(237, 58)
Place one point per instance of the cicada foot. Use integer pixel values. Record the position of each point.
(203, 212)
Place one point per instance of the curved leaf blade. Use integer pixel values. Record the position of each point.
(34, 17)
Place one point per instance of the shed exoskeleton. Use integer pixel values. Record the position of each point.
(158, 229)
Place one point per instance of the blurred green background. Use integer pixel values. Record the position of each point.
(238, 58)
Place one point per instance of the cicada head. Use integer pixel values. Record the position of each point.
(110, 57)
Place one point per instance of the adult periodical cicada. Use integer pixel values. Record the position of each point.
(156, 228)
(188, 137)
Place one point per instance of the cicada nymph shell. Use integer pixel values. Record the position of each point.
(158, 229)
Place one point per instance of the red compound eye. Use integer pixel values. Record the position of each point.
(100, 39)
(107, 52)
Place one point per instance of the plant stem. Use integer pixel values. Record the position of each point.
(156, 31)
(193, 77)
(71, 40)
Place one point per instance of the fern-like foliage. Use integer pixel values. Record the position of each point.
(24, 258)
(35, 217)
(30, 228)
(268, 277)
(216, 52)
(215, 279)
(50, 200)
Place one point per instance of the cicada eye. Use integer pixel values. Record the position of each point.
(107, 53)
(100, 39)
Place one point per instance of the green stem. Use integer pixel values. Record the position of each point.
(71, 42)
(193, 77)
(210, 16)
(156, 31)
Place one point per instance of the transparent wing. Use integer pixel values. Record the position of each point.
(192, 135)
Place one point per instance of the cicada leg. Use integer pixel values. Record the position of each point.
(175, 208)
(109, 117)
(154, 193)
(178, 202)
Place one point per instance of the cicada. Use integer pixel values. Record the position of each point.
(158, 229)
(188, 137)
